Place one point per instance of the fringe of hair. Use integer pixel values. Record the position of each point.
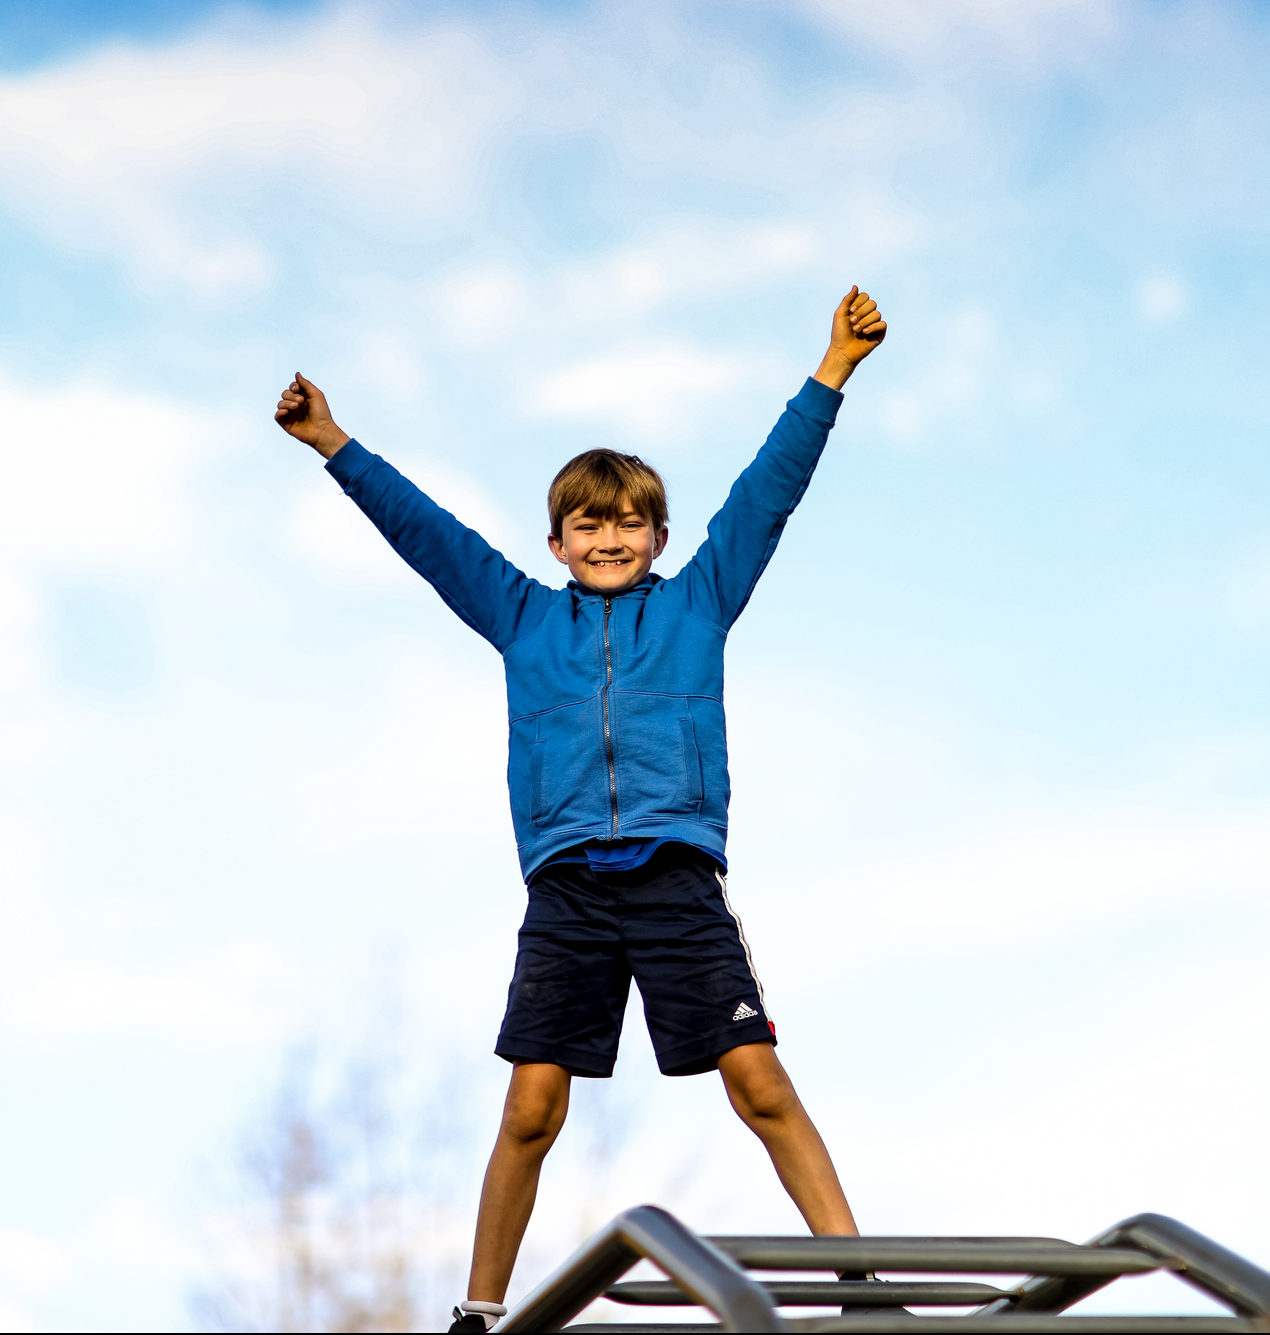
(598, 481)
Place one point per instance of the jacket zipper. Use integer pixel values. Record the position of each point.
(608, 736)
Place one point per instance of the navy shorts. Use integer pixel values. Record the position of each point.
(668, 925)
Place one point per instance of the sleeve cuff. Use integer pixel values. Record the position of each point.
(348, 461)
(813, 400)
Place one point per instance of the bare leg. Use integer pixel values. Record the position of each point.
(764, 1098)
(537, 1101)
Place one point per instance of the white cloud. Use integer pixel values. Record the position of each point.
(19, 619)
(130, 1236)
(386, 362)
(483, 303)
(116, 102)
(192, 162)
(330, 536)
(945, 863)
(23, 855)
(682, 264)
(127, 1237)
(97, 475)
(140, 151)
(644, 390)
(30, 1261)
(1248, 592)
(670, 267)
(231, 994)
(1010, 882)
(1020, 32)
(1036, 389)
(420, 765)
(1161, 299)
(13, 1318)
(953, 380)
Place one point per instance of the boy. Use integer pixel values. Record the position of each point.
(617, 766)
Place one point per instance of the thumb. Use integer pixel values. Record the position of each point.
(307, 385)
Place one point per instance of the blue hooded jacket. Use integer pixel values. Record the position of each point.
(615, 704)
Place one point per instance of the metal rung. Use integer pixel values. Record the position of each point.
(965, 1325)
(709, 1272)
(982, 1256)
(1028, 1325)
(666, 1327)
(838, 1293)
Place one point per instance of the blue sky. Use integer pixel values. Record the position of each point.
(998, 718)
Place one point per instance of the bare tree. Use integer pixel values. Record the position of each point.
(351, 1206)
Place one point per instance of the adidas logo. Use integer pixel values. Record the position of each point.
(744, 1012)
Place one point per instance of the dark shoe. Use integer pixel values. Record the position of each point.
(472, 1321)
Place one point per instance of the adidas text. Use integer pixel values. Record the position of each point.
(744, 1012)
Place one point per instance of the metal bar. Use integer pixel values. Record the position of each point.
(984, 1256)
(1027, 1325)
(967, 1325)
(703, 1272)
(663, 1327)
(838, 1293)
(1199, 1260)
(1053, 1293)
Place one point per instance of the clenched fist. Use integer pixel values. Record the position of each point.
(303, 413)
(858, 328)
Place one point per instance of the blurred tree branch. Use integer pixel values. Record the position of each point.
(351, 1202)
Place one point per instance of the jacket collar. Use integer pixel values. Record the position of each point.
(638, 590)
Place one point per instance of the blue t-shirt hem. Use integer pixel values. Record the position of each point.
(624, 854)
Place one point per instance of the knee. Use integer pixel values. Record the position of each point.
(764, 1097)
(533, 1118)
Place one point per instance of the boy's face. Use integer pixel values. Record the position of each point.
(608, 555)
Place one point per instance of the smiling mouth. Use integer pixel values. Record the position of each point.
(625, 561)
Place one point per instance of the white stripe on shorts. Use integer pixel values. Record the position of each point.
(745, 945)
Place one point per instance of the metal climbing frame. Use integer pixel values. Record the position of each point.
(710, 1273)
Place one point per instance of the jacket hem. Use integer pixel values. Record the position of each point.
(704, 835)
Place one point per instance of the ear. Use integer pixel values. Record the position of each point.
(659, 543)
(557, 549)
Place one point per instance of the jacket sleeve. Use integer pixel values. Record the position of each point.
(741, 538)
(478, 583)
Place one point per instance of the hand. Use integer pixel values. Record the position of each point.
(302, 413)
(858, 327)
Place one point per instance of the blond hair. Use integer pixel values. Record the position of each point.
(599, 481)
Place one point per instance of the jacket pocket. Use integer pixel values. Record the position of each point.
(655, 748)
(712, 753)
(535, 781)
(521, 754)
(692, 760)
(568, 773)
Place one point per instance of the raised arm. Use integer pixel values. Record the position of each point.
(476, 582)
(741, 538)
